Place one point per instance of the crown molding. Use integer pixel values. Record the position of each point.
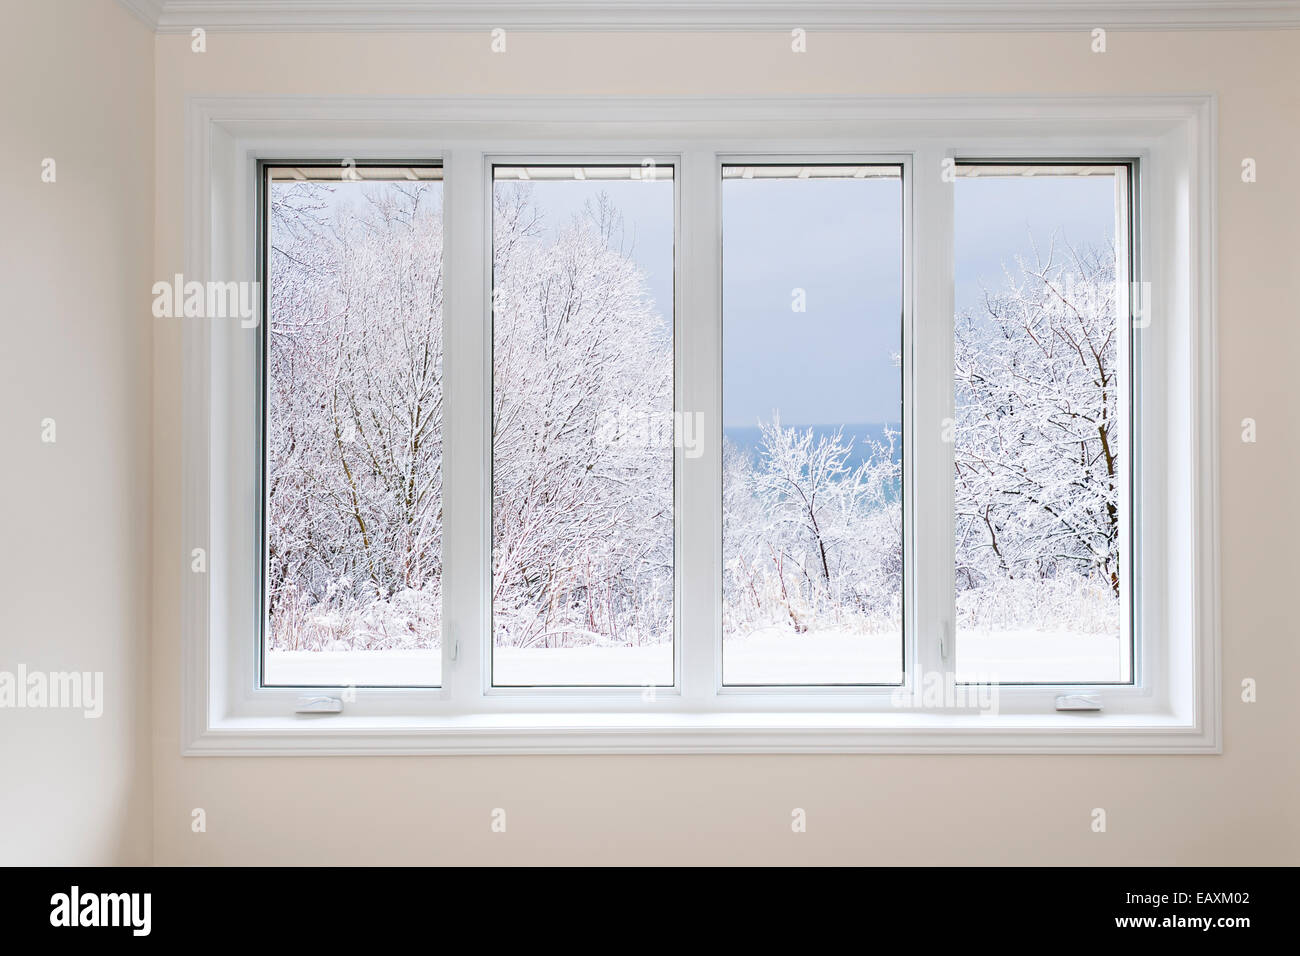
(310, 16)
(150, 12)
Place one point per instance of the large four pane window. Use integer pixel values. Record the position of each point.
(584, 470)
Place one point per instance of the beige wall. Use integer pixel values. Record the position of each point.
(1236, 808)
(76, 81)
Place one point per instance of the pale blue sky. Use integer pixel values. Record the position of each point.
(841, 242)
(996, 216)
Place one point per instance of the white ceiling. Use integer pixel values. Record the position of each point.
(181, 16)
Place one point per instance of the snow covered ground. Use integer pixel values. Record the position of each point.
(763, 658)
(1042, 657)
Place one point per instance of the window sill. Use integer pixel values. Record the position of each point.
(561, 733)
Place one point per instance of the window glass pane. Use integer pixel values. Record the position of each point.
(1041, 436)
(812, 424)
(353, 479)
(582, 412)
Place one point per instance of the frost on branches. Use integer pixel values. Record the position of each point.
(1038, 449)
(811, 544)
(582, 516)
(582, 504)
(354, 418)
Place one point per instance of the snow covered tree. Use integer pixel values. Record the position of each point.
(582, 511)
(1038, 438)
(582, 504)
(354, 435)
(811, 541)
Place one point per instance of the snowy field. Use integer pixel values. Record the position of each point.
(759, 659)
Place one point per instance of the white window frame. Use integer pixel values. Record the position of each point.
(1173, 705)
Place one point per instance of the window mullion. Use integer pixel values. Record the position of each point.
(699, 398)
(932, 628)
(466, 455)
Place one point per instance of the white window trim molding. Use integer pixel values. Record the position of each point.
(1173, 136)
